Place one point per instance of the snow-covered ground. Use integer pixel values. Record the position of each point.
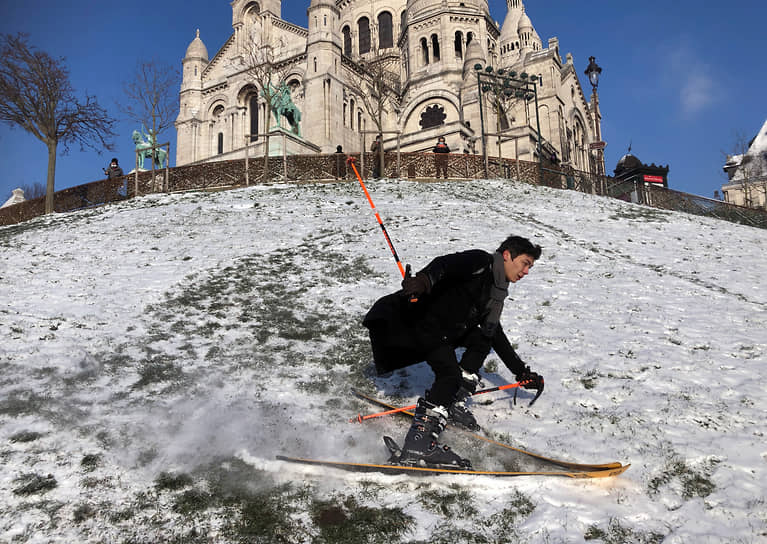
(157, 354)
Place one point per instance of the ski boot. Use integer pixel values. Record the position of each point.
(458, 413)
(421, 447)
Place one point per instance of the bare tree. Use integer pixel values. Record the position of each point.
(376, 82)
(152, 96)
(33, 190)
(36, 95)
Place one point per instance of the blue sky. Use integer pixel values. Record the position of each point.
(681, 80)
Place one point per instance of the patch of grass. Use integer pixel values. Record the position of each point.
(191, 501)
(615, 533)
(519, 507)
(32, 484)
(589, 380)
(89, 462)
(448, 534)
(22, 402)
(83, 512)
(345, 521)
(456, 502)
(25, 436)
(694, 483)
(172, 482)
(159, 369)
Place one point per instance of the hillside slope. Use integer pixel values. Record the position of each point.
(157, 354)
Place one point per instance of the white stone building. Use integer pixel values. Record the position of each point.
(435, 45)
(747, 174)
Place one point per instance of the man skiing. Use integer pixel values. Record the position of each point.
(455, 301)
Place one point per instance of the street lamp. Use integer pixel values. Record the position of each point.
(592, 72)
(507, 84)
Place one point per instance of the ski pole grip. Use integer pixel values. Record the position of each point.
(408, 273)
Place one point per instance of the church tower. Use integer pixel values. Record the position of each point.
(187, 123)
(322, 86)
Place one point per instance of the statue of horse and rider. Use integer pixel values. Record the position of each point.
(282, 105)
(144, 143)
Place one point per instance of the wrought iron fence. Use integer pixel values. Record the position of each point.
(318, 168)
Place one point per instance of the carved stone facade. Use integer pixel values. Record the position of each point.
(747, 174)
(435, 46)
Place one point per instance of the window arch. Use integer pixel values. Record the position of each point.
(253, 107)
(351, 114)
(402, 21)
(385, 30)
(220, 143)
(425, 51)
(347, 32)
(435, 47)
(363, 25)
(459, 44)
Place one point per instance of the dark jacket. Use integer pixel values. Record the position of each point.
(456, 305)
(441, 147)
(114, 172)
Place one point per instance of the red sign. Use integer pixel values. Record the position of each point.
(597, 145)
(653, 179)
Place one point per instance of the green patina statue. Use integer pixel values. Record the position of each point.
(282, 105)
(144, 148)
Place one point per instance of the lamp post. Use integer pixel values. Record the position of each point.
(505, 85)
(593, 71)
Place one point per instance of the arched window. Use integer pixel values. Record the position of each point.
(220, 143)
(363, 25)
(385, 31)
(469, 37)
(347, 41)
(403, 21)
(459, 45)
(435, 47)
(425, 51)
(359, 121)
(253, 106)
(433, 116)
(351, 114)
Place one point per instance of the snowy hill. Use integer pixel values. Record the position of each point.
(157, 354)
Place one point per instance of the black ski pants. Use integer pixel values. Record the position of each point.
(442, 360)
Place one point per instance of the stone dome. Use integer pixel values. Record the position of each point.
(627, 162)
(197, 49)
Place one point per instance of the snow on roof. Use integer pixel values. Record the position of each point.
(754, 162)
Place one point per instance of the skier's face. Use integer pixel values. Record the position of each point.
(518, 267)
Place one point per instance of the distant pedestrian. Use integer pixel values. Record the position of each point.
(340, 160)
(440, 156)
(114, 170)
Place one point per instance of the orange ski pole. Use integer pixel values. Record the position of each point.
(360, 418)
(350, 162)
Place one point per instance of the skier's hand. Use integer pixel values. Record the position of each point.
(414, 286)
(530, 379)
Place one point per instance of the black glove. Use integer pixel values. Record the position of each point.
(414, 286)
(530, 379)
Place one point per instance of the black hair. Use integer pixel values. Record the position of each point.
(516, 245)
(114, 159)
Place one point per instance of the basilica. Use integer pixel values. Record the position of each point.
(407, 69)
